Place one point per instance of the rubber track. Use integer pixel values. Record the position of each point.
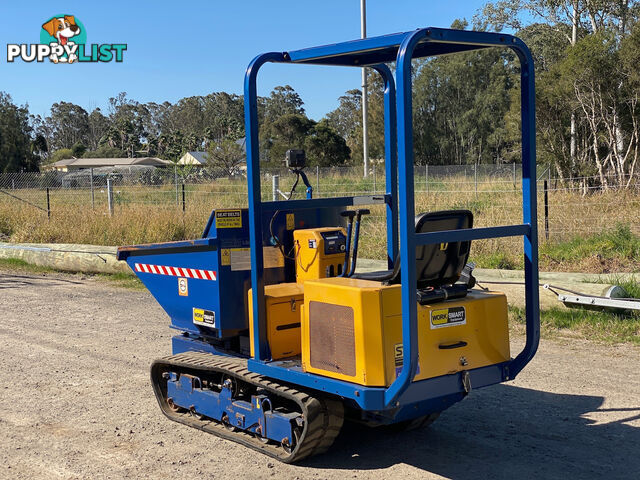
(323, 416)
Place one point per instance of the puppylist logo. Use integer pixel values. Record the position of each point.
(63, 40)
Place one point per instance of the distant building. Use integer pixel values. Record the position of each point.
(200, 158)
(73, 164)
(194, 158)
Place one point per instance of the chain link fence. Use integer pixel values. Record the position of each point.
(567, 207)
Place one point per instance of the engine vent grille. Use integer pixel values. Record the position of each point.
(332, 338)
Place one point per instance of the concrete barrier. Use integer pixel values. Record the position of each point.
(102, 259)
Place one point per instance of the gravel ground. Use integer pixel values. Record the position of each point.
(75, 402)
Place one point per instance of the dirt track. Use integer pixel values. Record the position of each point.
(75, 402)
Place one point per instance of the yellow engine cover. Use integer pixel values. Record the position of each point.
(319, 252)
(352, 331)
(283, 304)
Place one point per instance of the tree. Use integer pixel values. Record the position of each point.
(285, 132)
(460, 103)
(225, 156)
(346, 120)
(601, 86)
(282, 101)
(43, 129)
(585, 102)
(15, 141)
(70, 124)
(324, 147)
(39, 147)
(224, 117)
(98, 127)
(78, 149)
(127, 121)
(61, 154)
(104, 151)
(170, 145)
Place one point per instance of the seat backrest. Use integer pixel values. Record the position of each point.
(442, 263)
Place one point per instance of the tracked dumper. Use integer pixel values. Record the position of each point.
(279, 339)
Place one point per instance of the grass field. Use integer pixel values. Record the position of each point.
(595, 233)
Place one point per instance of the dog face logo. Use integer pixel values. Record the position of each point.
(63, 33)
(62, 28)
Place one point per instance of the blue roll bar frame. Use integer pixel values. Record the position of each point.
(400, 208)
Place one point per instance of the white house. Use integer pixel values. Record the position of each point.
(194, 158)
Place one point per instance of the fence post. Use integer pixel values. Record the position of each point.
(48, 205)
(374, 178)
(184, 204)
(175, 179)
(475, 178)
(110, 195)
(546, 210)
(93, 197)
(426, 178)
(317, 179)
(514, 175)
(275, 186)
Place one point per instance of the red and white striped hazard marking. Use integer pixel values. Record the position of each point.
(176, 271)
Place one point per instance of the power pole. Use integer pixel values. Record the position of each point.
(574, 39)
(365, 137)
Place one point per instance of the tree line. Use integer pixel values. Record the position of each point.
(466, 106)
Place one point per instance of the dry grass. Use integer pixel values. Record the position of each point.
(150, 214)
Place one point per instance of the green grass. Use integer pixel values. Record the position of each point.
(501, 260)
(618, 243)
(21, 265)
(124, 280)
(617, 248)
(630, 286)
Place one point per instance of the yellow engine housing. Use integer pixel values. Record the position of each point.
(315, 256)
(283, 304)
(352, 331)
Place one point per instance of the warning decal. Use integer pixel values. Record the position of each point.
(291, 221)
(225, 257)
(203, 317)
(448, 317)
(183, 287)
(228, 218)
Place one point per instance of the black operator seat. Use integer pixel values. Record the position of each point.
(436, 264)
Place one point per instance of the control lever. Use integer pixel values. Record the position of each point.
(356, 237)
(349, 214)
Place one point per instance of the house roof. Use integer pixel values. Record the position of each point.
(243, 143)
(201, 157)
(101, 162)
